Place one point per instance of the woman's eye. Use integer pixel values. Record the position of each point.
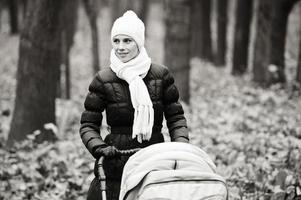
(115, 40)
(127, 40)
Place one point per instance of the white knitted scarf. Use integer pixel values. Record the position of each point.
(132, 72)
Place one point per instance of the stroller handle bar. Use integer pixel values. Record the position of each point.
(101, 174)
(127, 152)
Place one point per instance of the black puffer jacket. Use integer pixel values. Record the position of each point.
(109, 93)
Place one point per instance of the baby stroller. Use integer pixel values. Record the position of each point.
(171, 171)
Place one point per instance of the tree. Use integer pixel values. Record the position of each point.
(38, 68)
(280, 13)
(68, 28)
(201, 31)
(177, 40)
(195, 29)
(118, 7)
(222, 21)
(143, 8)
(13, 14)
(262, 41)
(23, 7)
(269, 49)
(241, 36)
(298, 76)
(91, 9)
(2, 6)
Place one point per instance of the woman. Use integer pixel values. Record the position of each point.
(135, 94)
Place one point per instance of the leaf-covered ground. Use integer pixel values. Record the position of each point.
(252, 134)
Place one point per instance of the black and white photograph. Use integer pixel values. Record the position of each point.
(150, 99)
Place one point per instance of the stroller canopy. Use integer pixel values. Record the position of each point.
(171, 171)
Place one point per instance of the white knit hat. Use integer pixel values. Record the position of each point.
(129, 24)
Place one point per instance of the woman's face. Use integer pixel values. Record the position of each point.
(125, 47)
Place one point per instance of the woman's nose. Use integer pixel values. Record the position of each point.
(121, 46)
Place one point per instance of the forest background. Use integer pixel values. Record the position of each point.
(248, 121)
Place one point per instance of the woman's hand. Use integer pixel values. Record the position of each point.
(108, 152)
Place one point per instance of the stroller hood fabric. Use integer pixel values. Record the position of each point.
(171, 171)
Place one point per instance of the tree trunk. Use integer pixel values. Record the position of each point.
(260, 60)
(196, 29)
(38, 68)
(143, 11)
(241, 36)
(298, 76)
(118, 7)
(92, 12)
(268, 66)
(1, 8)
(177, 40)
(139, 7)
(24, 8)
(68, 19)
(206, 45)
(65, 86)
(13, 15)
(201, 31)
(222, 21)
(280, 13)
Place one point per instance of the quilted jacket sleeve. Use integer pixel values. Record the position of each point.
(91, 118)
(173, 110)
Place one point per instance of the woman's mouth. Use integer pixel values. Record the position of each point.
(122, 54)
